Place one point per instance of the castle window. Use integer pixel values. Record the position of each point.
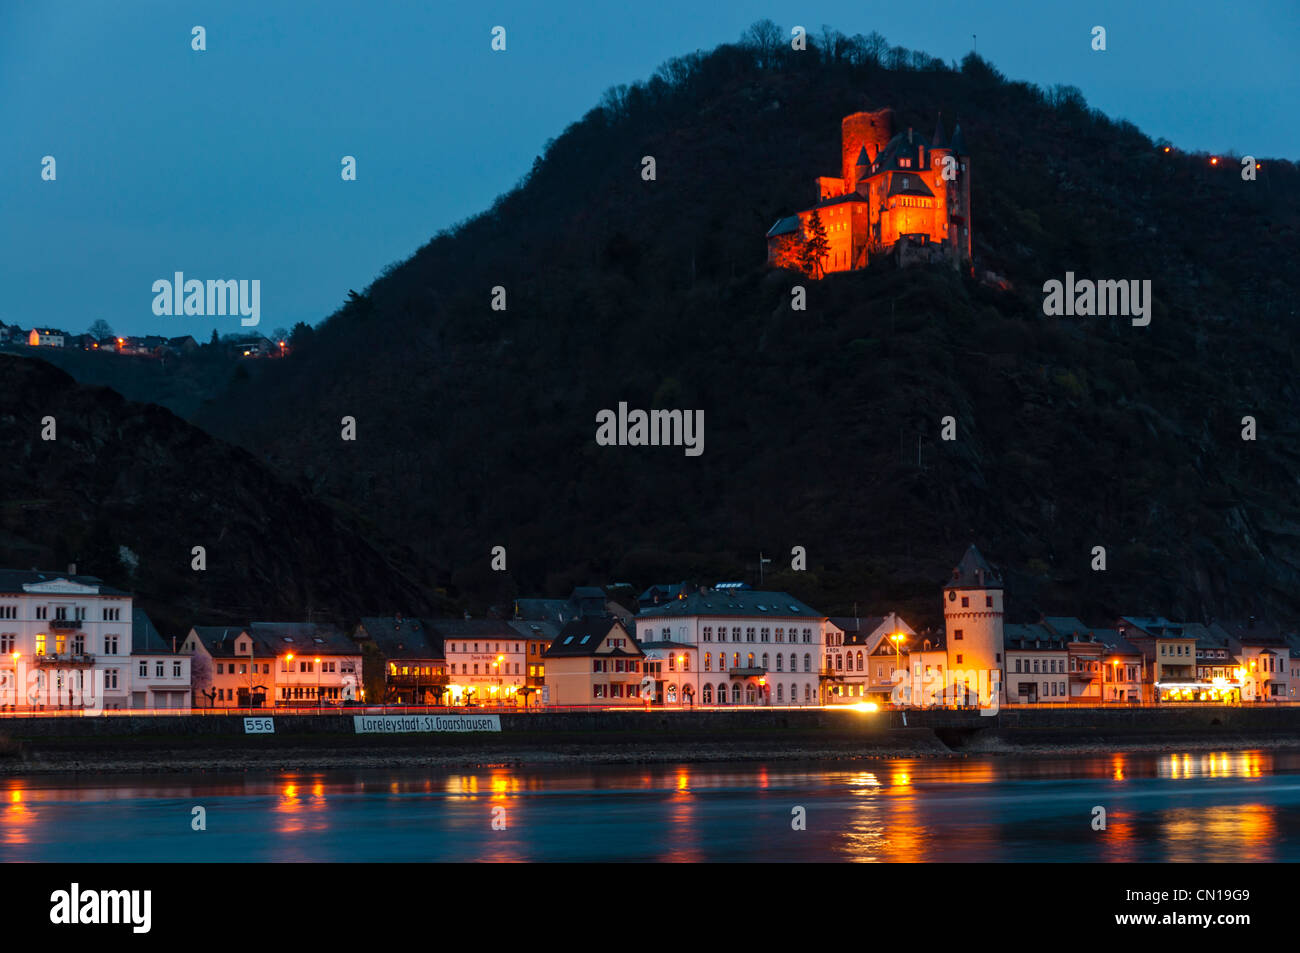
(965, 602)
(956, 635)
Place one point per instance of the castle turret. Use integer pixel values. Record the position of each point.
(859, 130)
(973, 617)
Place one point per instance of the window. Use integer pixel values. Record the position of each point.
(7, 641)
(807, 662)
(110, 678)
(765, 635)
(8, 612)
(965, 602)
(708, 633)
(988, 601)
(779, 663)
(958, 659)
(144, 669)
(708, 692)
(956, 635)
(110, 644)
(780, 635)
(42, 612)
(749, 633)
(158, 669)
(176, 669)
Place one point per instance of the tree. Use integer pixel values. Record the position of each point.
(815, 246)
(216, 338)
(100, 329)
(301, 335)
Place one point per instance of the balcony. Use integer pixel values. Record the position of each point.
(66, 658)
(752, 671)
(67, 623)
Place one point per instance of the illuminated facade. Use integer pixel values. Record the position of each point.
(897, 194)
(743, 646)
(973, 625)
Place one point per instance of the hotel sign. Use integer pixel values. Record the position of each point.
(398, 724)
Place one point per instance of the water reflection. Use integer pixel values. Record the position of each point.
(1181, 806)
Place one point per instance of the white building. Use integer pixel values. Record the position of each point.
(65, 642)
(1037, 666)
(850, 643)
(487, 660)
(734, 646)
(160, 674)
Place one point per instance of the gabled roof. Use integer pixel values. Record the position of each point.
(1251, 632)
(535, 629)
(471, 629)
(403, 638)
(583, 636)
(1031, 637)
(303, 638)
(1067, 626)
(863, 158)
(785, 226)
(974, 572)
(1116, 642)
(732, 602)
(145, 639)
(908, 182)
(1153, 627)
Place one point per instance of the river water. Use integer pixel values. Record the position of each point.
(1235, 805)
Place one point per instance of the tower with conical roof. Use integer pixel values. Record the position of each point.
(973, 617)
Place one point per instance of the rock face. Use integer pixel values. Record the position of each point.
(127, 490)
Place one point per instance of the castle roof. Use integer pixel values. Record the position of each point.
(938, 141)
(908, 183)
(785, 226)
(959, 142)
(974, 572)
(863, 160)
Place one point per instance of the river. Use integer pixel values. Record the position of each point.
(1239, 805)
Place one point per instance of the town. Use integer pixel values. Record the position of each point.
(100, 339)
(70, 643)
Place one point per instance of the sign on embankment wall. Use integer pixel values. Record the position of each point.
(393, 724)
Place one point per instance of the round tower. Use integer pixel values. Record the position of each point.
(973, 616)
(866, 129)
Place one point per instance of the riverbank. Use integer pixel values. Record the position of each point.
(162, 755)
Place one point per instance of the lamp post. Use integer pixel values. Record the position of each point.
(500, 659)
(318, 705)
(14, 656)
(897, 639)
(288, 667)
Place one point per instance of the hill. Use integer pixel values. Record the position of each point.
(127, 490)
(475, 426)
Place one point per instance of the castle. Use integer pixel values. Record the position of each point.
(897, 194)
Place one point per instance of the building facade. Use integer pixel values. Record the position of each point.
(65, 642)
(742, 646)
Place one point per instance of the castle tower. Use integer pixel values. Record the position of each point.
(973, 616)
(858, 131)
(959, 226)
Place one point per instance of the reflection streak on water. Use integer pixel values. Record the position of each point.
(1176, 806)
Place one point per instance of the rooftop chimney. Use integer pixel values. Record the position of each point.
(72, 571)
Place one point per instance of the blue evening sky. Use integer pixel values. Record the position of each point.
(225, 163)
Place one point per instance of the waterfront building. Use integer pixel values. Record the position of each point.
(973, 622)
(286, 664)
(485, 661)
(408, 659)
(1264, 657)
(1169, 655)
(594, 662)
(160, 676)
(1037, 665)
(850, 641)
(65, 641)
(743, 646)
(538, 636)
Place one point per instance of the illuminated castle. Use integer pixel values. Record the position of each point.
(897, 193)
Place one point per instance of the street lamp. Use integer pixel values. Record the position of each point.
(318, 682)
(500, 659)
(288, 667)
(897, 639)
(14, 656)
